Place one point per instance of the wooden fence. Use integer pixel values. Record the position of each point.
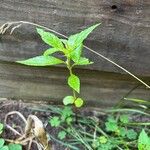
(124, 37)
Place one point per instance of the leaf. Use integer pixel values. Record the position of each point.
(122, 131)
(76, 54)
(111, 125)
(143, 141)
(78, 102)
(75, 40)
(50, 39)
(137, 100)
(41, 61)
(66, 112)
(62, 135)
(124, 119)
(15, 147)
(5, 148)
(50, 51)
(131, 134)
(69, 120)
(68, 100)
(55, 122)
(83, 61)
(1, 128)
(102, 139)
(1, 142)
(74, 82)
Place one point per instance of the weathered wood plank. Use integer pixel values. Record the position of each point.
(123, 36)
(49, 84)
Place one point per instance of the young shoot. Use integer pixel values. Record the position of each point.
(72, 50)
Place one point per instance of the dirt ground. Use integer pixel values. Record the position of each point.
(26, 109)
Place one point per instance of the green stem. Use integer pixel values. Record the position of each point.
(70, 71)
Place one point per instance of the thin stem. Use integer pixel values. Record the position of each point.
(8, 24)
(70, 71)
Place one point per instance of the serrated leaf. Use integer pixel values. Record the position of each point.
(83, 61)
(79, 102)
(76, 54)
(66, 112)
(74, 82)
(5, 148)
(143, 141)
(50, 39)
(2, 141)
(62, 135)
(15, 147)
(124, 119)
(41, 61)
(55, 122)
(75, 40)
(103, 139)
(68, 100)
(111, 125)
(131, 134)
(111, 119)
(50, 51)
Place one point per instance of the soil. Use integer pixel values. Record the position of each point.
(33, 108)
(25, 109)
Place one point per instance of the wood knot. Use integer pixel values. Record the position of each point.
(114, 7)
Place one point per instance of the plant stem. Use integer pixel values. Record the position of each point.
(70, 71)
(9, 24)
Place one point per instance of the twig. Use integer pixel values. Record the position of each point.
(15, 112)
(12, 129)
(38, 132)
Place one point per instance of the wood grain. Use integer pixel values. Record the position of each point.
(124, 35)
(49, 84)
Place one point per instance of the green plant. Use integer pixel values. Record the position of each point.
(65, 118)
(72, 50)
(10, 146)
(143, 141)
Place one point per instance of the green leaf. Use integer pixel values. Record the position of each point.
(50, 51)
(2, 141)
(75, 40)
(76, 54)
(5, 148)
(41, 61)
(102, 139)
(83, 61)
(131, 134)
(79, 102)
(66, 112)
(55, 122)
(64, 41)
(122, 131)
(50, 39)
(124, 119)
(68, 100)
(111, 125)
(62, 135)
(74, 82)
(69, 120)
(1, 128)
(143, 141)
(15, 147)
